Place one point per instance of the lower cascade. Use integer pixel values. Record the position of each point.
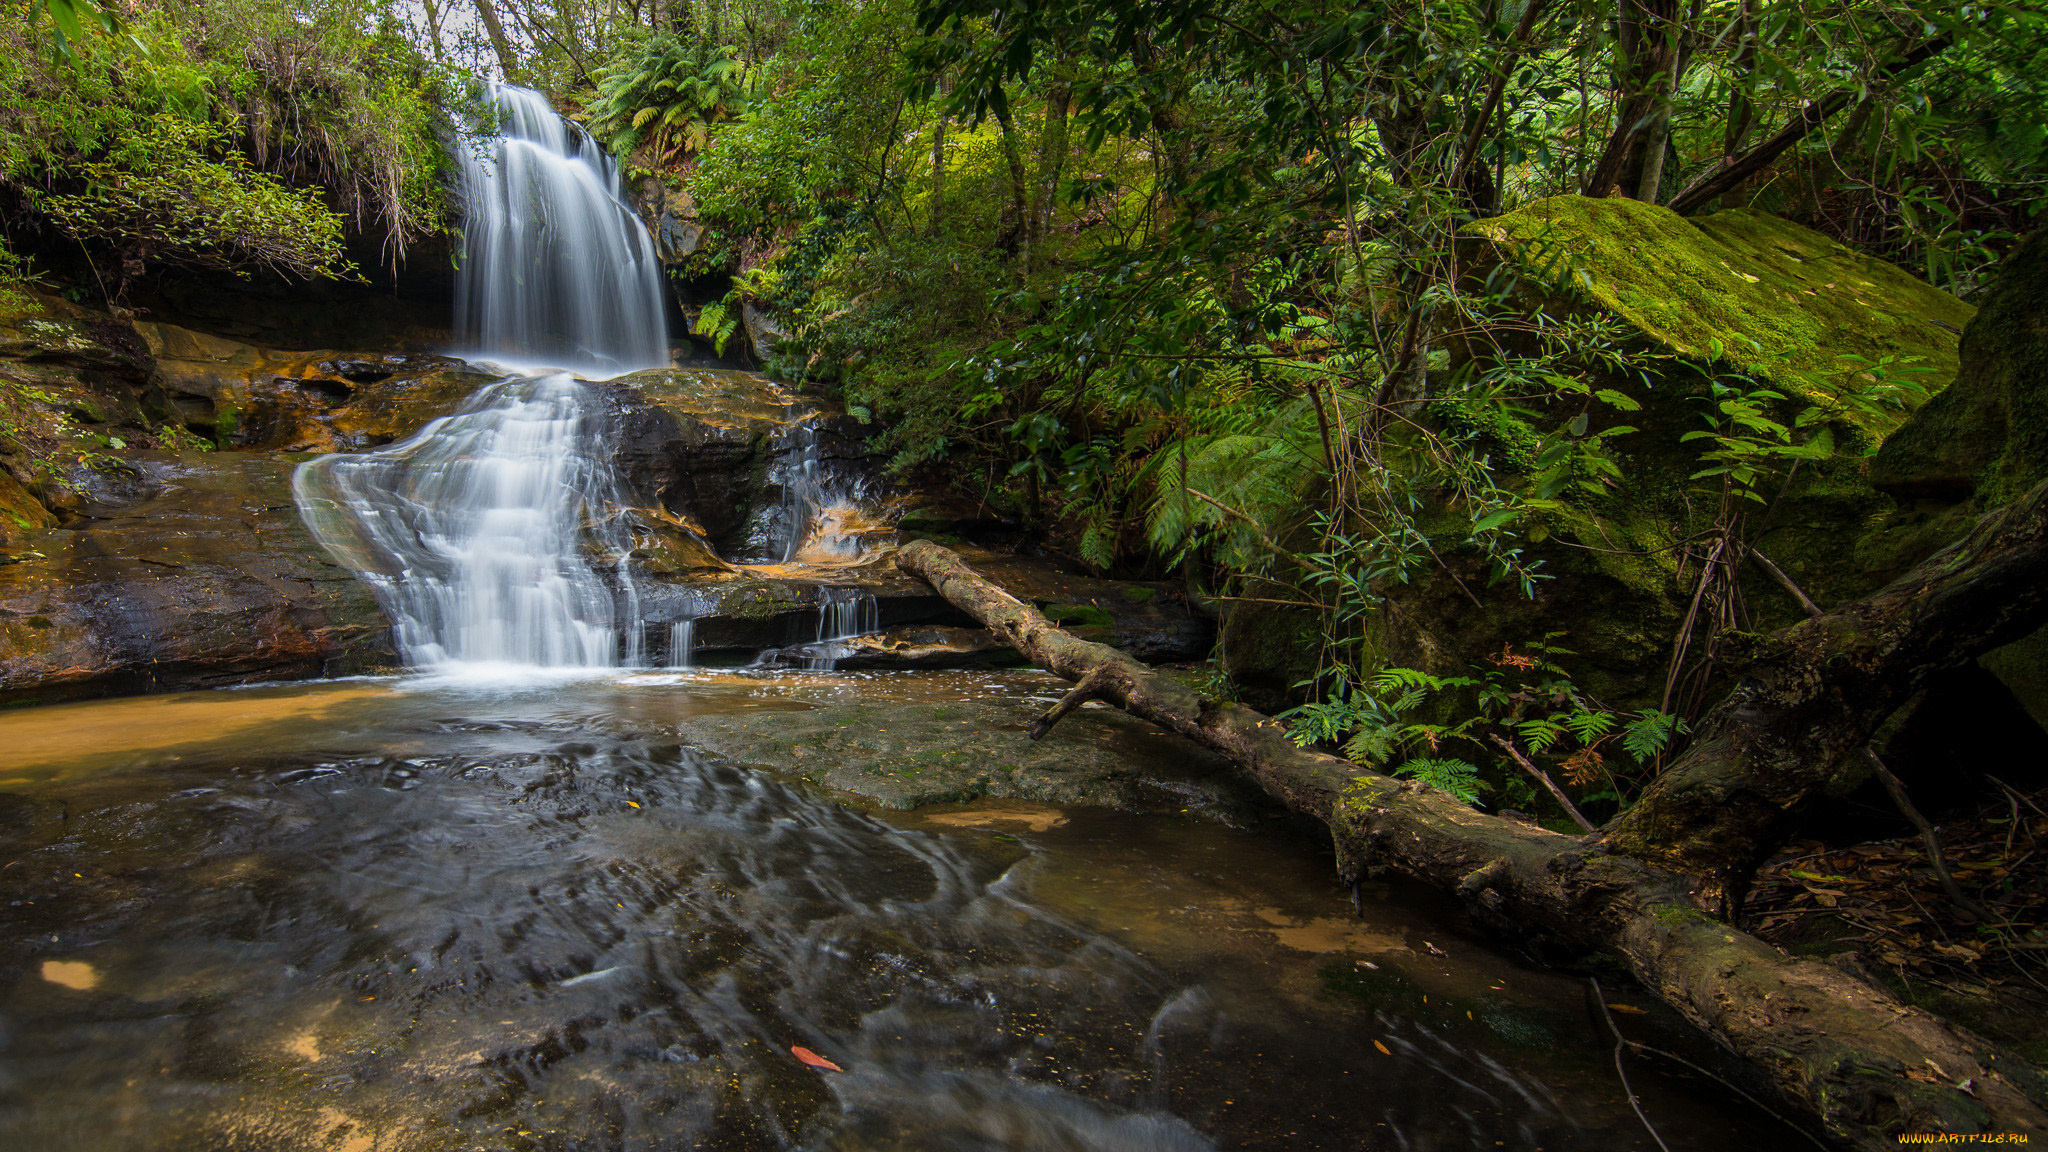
(478, 532)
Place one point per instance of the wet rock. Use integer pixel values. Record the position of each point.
(77, 379)
(670, 213)
(906, 754)
(263, 399)
(763, 331)
(20, 513)
(209, 581)
(913, 648)
(85, 344)
(699, 443)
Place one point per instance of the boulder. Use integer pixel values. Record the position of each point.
(1982, 441)
(209, 579)
(262, 399)
(670, 213)
(1986, 435)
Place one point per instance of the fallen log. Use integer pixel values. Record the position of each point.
(1814, 693)
(1844, 1051)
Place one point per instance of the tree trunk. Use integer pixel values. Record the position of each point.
(1020, 197)
(1741, 69)
(1709, 185)
(1835, 1046)
(938, 214)
(1647, 64)
(434, 28)
(508, 61)
(1052, 156)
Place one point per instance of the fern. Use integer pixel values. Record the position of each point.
(717, 322)
(666, 93)
(1650, 733)
(1453, 776)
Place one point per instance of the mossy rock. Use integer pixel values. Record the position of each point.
(1986, 435)
(1078, 615)
(1776, 300)
(20, 512)
(1269, 650)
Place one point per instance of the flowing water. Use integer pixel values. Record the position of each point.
(402, 915)
(557, 270)
(478, 532)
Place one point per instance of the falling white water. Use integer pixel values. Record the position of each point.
(820, 508)
(842, 615)
(682, 644)
(557, 270)
(491, 535)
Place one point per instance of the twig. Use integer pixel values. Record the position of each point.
(2016, 794)
(1754, 1102)
(1679, 643)
(1928, 837)
(1570, 809)
(1600, 1001)
(1777, 574)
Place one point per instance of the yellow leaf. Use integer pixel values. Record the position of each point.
(1384, 1050)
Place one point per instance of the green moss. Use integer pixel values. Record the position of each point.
(1507, 440)
(1078, 615)
(1678, 914)
(762, 602)
(1988, 433)
(1139, 594)
(1778, 300)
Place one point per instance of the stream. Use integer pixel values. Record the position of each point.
(417, 913)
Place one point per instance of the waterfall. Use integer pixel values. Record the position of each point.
(478, 533)
(820, 509)
(842, 615)
(493, 535)
(557, 270)
(682, 643)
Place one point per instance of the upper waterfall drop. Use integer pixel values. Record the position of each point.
(558, 271)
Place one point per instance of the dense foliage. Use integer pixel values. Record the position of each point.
(220, 133)
(1200, 288)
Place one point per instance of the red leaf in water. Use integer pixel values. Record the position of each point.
(813, 1059)
(1384, 1050)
